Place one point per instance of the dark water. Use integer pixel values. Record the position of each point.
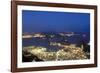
(39, 42)
(75, 39)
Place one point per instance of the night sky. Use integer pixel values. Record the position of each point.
(47, 21)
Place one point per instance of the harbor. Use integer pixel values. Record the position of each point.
(54, 47)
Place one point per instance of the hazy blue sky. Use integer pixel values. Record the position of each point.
(46, 21)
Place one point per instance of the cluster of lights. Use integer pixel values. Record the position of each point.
(70, 52)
